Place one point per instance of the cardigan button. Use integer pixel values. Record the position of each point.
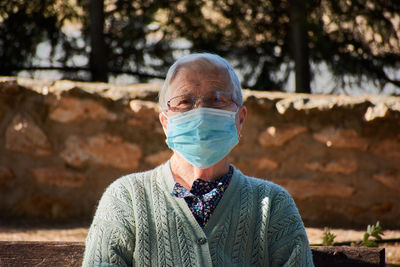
(201, 241)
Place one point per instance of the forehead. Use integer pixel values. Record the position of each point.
(198, 79)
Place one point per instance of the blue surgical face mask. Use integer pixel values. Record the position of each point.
(203, 136)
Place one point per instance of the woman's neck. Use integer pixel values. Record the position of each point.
(185, 173)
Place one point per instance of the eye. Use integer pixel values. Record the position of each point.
(181, 103)
(224, 99)
(221, 100)
(184, 102)
(215, 99)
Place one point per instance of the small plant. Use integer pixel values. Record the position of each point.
(328, 237)
(372, 231)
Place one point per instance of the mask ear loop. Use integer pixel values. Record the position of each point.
(239, 133)
(165, 132)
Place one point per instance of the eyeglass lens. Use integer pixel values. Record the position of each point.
(214, 99)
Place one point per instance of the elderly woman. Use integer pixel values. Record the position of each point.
(197, 209)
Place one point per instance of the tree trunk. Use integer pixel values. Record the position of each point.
(98, 54)
(299, 45)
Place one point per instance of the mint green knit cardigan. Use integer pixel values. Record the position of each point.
(139, 223)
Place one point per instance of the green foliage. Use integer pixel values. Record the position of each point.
(328, 237)
(374, 231)
(255, 35)
(352, 38)
(132, 33)
(23, 25)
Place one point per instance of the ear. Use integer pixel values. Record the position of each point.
(241, 117)
(164, 122)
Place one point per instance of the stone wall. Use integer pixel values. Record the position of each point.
(63, 142)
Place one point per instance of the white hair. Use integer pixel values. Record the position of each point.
(208, 59)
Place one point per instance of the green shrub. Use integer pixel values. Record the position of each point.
(328, 237)
(372, 231)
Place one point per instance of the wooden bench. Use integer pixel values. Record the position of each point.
(30, 253)
(348, 256)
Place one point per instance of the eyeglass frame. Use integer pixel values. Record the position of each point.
(195, 101)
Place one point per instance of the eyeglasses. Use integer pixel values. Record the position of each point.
(214, 99)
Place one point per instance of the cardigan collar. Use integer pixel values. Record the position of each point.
(169, 177)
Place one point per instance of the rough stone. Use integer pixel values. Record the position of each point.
(355, 210)
(6, 174)
(69, 109)
(3, 110)
(391, 179)
(134, 121)
(75, 153)
(145, 114)
(342, 166)
(110, 91)
(265, 163)
(103, 149)
(341, 138)
(159, 157)
(43, 206)
(112, 150)
(141, 106)
(58, 176)
(301, 190)
(388, 148)
(378, 111)
(278, 136)
(23, 135)
(381, 208)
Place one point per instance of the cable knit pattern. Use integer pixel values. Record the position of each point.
(143, 230)
(218, 244)
(139, 223)
(185, 247)
(243, 227)
(261, 225)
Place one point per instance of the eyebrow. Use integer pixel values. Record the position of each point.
(215, 85)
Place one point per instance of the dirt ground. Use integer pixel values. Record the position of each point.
(79, 233)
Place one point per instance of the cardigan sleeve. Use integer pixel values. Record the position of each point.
(288, 242)
(111, 237)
